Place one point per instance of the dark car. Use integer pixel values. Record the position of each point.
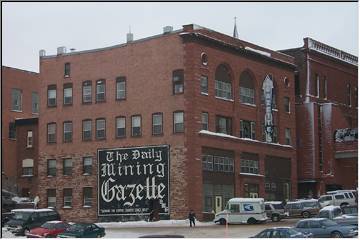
(48, 229)
(23, 220)
(350, 210)
(5, 217)
(302, 208)
(83, 230)
(281, 232)
(322, 227)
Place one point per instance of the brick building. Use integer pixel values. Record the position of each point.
(195, 90)
(326, 118)
(20, 99)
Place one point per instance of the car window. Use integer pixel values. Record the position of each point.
(267, 207)
(264, 234)
(278, 206)
(337, 212)
(275, 233)
(284, 233)
(314, 224)
(324, 214)
(234, 208)
(328, 223)
(351, 195)
(310, 204)
(340, 196)
(302, 224)
(346, 195)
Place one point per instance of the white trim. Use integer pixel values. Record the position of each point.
(225, 99)
(206, 94)
(251, 174)
(248, 104)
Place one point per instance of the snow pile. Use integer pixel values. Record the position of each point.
(161, 223)
(329, 208)
(21, 199)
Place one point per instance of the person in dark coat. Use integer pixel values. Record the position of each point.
(192, 218)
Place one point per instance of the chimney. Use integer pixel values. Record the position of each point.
(61, 50)
(167, 29)
(42, 53)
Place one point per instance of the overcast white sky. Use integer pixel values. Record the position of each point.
(29, 27)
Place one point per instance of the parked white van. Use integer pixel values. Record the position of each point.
(242, 210)
(338, 199)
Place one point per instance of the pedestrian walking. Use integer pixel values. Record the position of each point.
(192, 218)
(36, 202)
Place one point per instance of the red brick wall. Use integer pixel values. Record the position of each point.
(28, 82)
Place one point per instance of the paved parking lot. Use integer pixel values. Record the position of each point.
(209, 231)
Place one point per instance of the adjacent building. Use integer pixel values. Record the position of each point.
(197, 115)
(20, 100)
(326, 86)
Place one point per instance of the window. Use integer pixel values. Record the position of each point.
(100, 128)
(87, 192)
(204, 85)
(287, 104)
(204, 121)
(135, 126)
(274, 133)
(223, 164)
(27, 167)
(86, 132)
(325, 89)
(247, 89)
(223, 88)
(223, 125)
(67, 131)
(51, 167)
(235, 208)
(207, 162)
(35, 102)
(51, 133)
(68, 94)
(86, 92)
(348, 102)
(157, 124)
(67, 167)
(178, 122)
(12, 130)
(341, 196)
(67, 197)
(87, 165)
(249, 166)
(247, 129)
(51, 197)
(287, 136)
(67, 70)
(100, 90)
(120, 88)
(52, 96)
(120, 127)
(29, 139)
(316, 85)
(356, 96)
(16, 99)
(251, 190)
(178, 81)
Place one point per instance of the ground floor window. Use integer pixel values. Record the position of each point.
(251, 190)
(51, 198)
(215, 197)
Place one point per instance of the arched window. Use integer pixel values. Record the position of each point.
(223, 87)
(247, 88)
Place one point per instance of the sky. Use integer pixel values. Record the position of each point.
(29, 27)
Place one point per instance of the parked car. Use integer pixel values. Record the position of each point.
(48, 229)
(275, 210)
(338, 199)
(281, 232)
(23, 220)
(7, 204)
(83, 230)
(334, 213)
(242, 210)
(302, 208)
(5, 217)
(322, 227)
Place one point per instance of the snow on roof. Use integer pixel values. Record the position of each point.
(54, 222)
(273, 202)
(244, 139)
(258, 51)
(329, 208)
(315, 219)
(246, 200)
(32, 210)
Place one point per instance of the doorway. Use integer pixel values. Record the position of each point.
(218, 204)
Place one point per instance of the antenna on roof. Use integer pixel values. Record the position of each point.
(129, 36)
(235, 33)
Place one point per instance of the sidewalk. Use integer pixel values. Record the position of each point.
(161, 223)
